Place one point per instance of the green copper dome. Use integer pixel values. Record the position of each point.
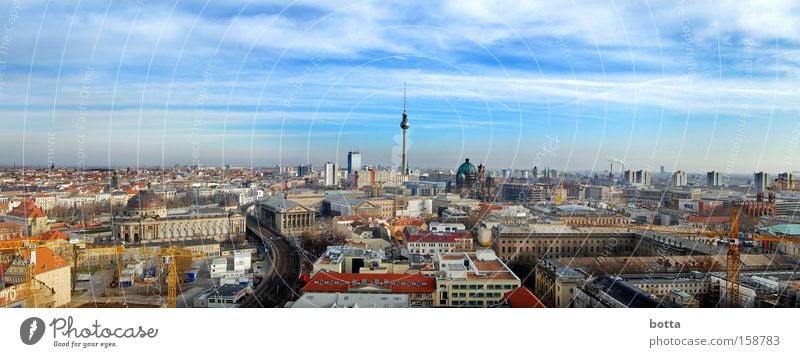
(467, 169)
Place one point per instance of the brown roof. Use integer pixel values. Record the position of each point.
(9, 226)
(521, 297)
(27, 209)
(488, 265)
(46, 260)
(53, 235)
(397, 283)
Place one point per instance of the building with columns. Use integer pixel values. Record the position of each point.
(146, 219)
(287, 217)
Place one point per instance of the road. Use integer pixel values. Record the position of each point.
(281, 281)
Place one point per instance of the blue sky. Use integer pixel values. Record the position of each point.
(688, 85)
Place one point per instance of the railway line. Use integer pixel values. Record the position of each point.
(280, 284)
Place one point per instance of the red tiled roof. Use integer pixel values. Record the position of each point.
(10, 226)
(46, 260)
(521, 297)
(53, 235)
(438, 237)
(397, 283)
(27, 209)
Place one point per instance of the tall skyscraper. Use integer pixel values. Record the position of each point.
(662, 169)
(760, 181)
(712, 179)
(331, 176)
(679, 179)
(629, 176)
(303, 170)
(353, 161)
(404, 125)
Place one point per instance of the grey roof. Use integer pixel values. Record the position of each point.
(344, 200)
(279, 203)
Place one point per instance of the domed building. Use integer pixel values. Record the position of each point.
(146, 219)
(146, 204)
(466, 176)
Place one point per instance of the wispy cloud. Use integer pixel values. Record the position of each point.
(519, 69)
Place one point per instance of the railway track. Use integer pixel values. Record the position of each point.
(281, 283)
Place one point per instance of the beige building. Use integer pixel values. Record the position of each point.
(287, 217)
(147, 219)
(28, 215)
(340, 205)
(545, 241)
(476, 279)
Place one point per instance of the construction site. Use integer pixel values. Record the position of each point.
(57, 273)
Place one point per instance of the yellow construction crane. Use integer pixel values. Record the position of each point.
(30, 275)
(559, 196)
(734, 262)
(170, 256)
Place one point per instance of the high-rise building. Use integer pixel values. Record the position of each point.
(353, 161)
(331, 176)
(629, 176)
(679, 179)
(643, 177)
(404, 125)
(712, 179)
(662, 169)
(304, 170)
(760, 181)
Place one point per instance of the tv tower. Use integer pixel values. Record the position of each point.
(404, 125)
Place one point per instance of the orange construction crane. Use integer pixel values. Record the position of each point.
(734, 263)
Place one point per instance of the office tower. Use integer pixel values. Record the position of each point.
(760, 181)
(679, 179)
(353, 161)
(712, 179)
(331, 177)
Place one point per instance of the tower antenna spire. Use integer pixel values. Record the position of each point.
(404, 97)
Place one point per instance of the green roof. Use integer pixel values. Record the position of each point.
(782, 229)
(467, 169)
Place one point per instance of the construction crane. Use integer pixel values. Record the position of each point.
(734, 263)
(559, 196)
(30, 275)
(169, 258)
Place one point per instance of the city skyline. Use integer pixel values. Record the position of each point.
(252, 84)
